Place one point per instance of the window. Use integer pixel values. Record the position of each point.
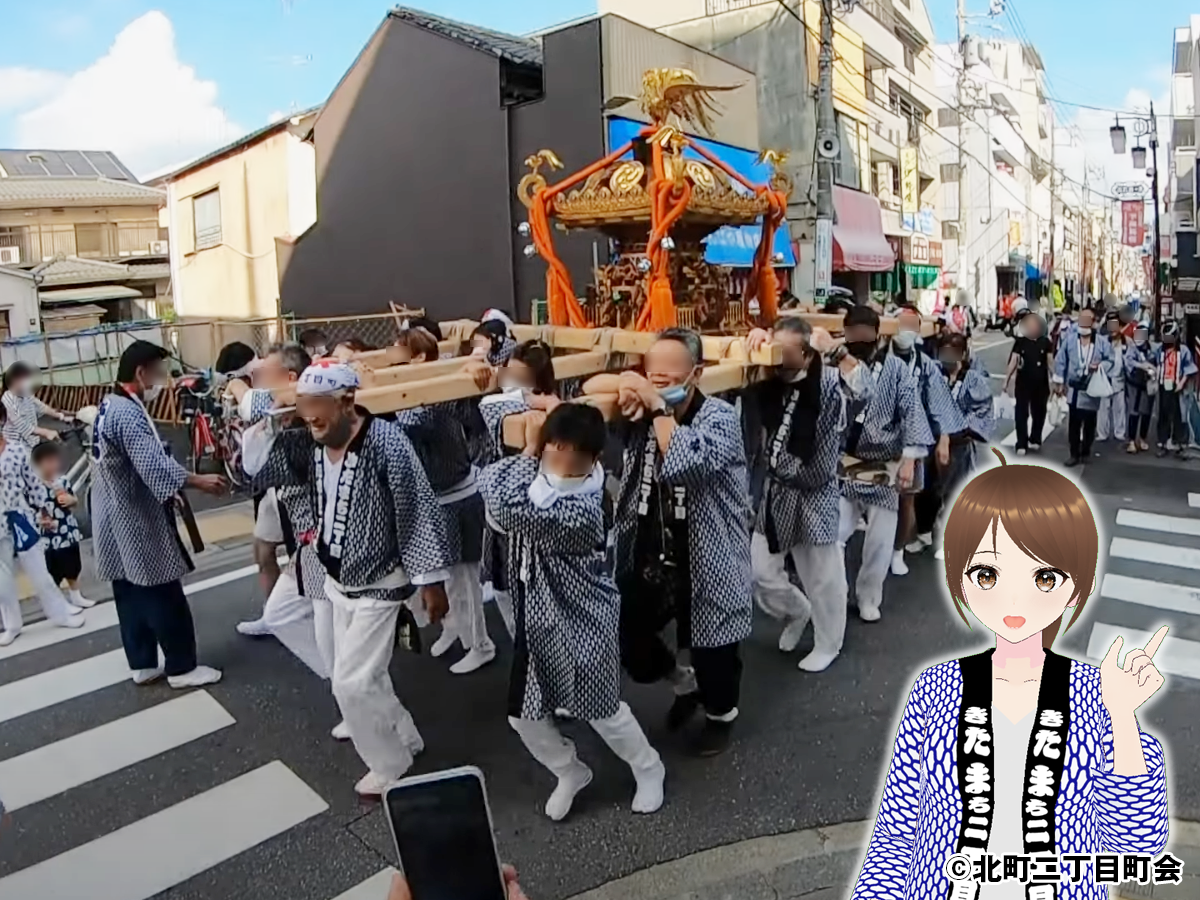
(89, 240)
(206, 217)
(910, 58)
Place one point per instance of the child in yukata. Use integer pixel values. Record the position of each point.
(567, 608)
(62, 537)
(1018, 751)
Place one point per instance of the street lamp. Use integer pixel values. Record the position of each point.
(1146, 126)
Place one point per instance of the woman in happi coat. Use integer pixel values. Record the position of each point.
(1112, 419)
(887, 436)
(1080, 356)
(795, 425)
(1141, 385)
(682, 534)
(439, 435)
(23, 409)
(550, 503)
(1018, 751)
(1175, 368)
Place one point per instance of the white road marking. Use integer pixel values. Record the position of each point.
(1157, 594)
(1159, 554)
(374, 888)
(50, 770)
(28, 695)
(44, 634)
(1176, 656)
(178, 843)
(1155, 522)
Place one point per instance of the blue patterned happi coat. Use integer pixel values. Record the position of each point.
(920, 812)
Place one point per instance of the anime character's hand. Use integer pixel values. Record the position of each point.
(1124, 688)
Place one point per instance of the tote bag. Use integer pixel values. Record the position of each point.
(1099, 386)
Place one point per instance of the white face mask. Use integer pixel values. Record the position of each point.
(905, 340)
(1085, 332)
(150, 394)
(479, 352)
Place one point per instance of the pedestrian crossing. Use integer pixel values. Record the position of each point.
(1170, 597)
(183, 836)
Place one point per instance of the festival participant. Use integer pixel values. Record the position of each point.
(915, 526)
(888, 430)
(682, 534)
(1175, 367)
(415, 345)
(492, 340)
(1027, 378)
(1080, 356)
(371, 500)
(62, 534)
(23, 408)
(796, 423)
(137, 544)
(550, 503)
(314, 341)
(1111, 419)
(1141, 385)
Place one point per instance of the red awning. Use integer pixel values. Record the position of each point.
(859, 244)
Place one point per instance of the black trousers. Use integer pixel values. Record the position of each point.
(153, 617)
(1031, 404)
(647, 658)
(1139, 423)
(1170, 419)
(1081, 431)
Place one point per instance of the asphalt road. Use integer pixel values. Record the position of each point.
(140, 821)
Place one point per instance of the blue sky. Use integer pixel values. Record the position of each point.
(235, 63)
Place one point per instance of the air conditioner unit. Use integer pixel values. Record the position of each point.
(159, 248)
(10, 256)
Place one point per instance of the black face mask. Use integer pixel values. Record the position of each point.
(861, 349)
(949, 365)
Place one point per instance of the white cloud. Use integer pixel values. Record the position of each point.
(276, 116)
(138, 100)
(21, 87)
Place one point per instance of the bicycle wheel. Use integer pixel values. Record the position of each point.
(231, 451)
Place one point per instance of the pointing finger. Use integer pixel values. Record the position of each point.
(1110, 658)
(1156, 641)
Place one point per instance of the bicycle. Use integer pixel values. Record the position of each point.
(214, 431)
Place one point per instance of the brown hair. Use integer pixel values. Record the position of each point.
(1044, 513)
(419, 343)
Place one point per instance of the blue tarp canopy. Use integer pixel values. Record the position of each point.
(733, 245)
(1032, 272)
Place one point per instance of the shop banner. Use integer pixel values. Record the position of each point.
(1133, 223)
(823, 279)
(910, 182)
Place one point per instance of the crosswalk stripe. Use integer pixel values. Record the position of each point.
(1158, 594)
(1193, 500)
(44, 634)
(64, 683)
(50, 770)
(178, 843)
(1176, 656)
(1130, 518)
(1159, 554)
(374, 888)
(1010, 439)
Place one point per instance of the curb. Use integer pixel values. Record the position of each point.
(822, 864)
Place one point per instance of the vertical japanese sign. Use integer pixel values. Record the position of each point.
(823, 276)
(910, 182)
(1133, 223)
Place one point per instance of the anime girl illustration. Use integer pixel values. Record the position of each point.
(1019, 751)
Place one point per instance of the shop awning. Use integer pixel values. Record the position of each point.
(1032, 273)
(736, 245)
(86, 294)
(859, 244)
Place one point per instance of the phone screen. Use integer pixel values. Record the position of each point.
(444, 839)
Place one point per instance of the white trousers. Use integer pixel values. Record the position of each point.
(383, 731)
(291, 618)
(622, 733)
(878, 546)
(822, 570)
(33, 563)
(1112, 420)
(466, 619)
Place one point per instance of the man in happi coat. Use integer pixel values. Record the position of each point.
(376, 536)
(138, 548)
(887, 435)
(795, 424)
(682, 534)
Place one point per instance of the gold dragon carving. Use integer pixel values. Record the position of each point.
(676, 96)
(534, 181)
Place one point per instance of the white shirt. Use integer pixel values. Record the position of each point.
(333, 474)
(1010, 751)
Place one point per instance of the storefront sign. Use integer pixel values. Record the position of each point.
(823, 275)
(935, 254)
(1014, 235)
(1130, 190)
(910, 182)
(1133, 223)
(916, 250)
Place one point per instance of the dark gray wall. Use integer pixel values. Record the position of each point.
(567, 120)
(413, 191)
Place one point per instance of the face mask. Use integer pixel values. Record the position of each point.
(861, 349)
(150, 394)
(1085, 332)
(317, 351)
(949, 365)
(674, 395)
(479, 352)
(563, 483)
(905, 340)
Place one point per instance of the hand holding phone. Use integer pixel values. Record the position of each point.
(400, 891)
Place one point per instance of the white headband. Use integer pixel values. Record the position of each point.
(326, 377)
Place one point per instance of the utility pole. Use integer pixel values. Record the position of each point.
(1053, 220)
(962, 159)
(1157, 318)
(827, 151)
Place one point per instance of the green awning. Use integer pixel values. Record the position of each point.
(885, 282)
(922, 277)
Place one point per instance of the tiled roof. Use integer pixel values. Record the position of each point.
(506, 46)
(73, 270)
(149, 271)
(17, 193)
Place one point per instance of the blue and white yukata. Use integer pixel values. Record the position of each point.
(22, 416)
(1074, 366)
(887, 423)
(795, 436)
(22, 497)
(375, 538)
(138, 548)
(972, 395)
(1175, 367)
(566, 652)
(1111, 419)
(1139, 385)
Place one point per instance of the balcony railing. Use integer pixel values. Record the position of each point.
(716, 7)
(881, 10)
(102, 241)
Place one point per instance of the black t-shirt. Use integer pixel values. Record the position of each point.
(1031, 356)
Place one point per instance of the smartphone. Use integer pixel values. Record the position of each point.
(442, 828)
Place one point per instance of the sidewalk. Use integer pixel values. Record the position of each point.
(822, 864)
(224, 529)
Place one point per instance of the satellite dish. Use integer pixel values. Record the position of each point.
(829, 147)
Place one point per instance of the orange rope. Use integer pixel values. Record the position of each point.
(669, 203)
